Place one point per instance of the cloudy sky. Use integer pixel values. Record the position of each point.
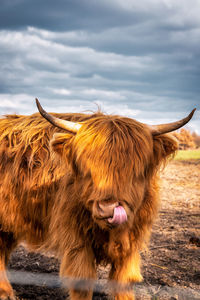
(135, 58)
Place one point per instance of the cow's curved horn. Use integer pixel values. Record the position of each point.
(165, 128)
(63, 124)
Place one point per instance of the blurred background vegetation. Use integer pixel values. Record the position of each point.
(189, 145)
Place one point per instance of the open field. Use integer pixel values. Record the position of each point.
(170, 268)
(187, 154)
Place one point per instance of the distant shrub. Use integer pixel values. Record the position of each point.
(196, 139)
(185, 138)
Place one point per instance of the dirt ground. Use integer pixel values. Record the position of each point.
(171, 268)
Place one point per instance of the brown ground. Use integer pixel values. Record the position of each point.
(171, 269)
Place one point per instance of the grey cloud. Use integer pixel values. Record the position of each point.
(175, 60)
(37, 64)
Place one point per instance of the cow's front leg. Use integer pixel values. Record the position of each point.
(125, 261)
(7, 243)
(79, 264)
(126, 271)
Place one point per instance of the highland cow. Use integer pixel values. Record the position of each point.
(83, 186)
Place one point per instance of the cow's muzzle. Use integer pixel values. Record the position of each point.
(113, 213)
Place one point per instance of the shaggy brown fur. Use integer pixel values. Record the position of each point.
(49, 193)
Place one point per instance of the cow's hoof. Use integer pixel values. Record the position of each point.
(6, 292)
(5, 296)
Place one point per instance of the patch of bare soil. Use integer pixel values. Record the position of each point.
(170, 268)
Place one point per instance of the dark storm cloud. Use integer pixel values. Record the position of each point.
(61, 15)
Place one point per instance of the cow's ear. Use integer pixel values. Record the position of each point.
(164, 146)
(60, 141)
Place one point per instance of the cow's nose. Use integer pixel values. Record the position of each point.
(106, 209)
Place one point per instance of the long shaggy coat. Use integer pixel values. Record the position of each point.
(51, 182)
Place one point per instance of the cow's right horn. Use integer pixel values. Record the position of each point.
(169, 127)
(63, 124)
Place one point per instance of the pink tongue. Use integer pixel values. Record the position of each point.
(119, 216)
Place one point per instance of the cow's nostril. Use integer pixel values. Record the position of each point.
(106, 209)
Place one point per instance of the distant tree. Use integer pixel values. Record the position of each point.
(196, 138)
(185, 139)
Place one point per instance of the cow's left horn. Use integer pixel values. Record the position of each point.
(165, 128)
(63, 124)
